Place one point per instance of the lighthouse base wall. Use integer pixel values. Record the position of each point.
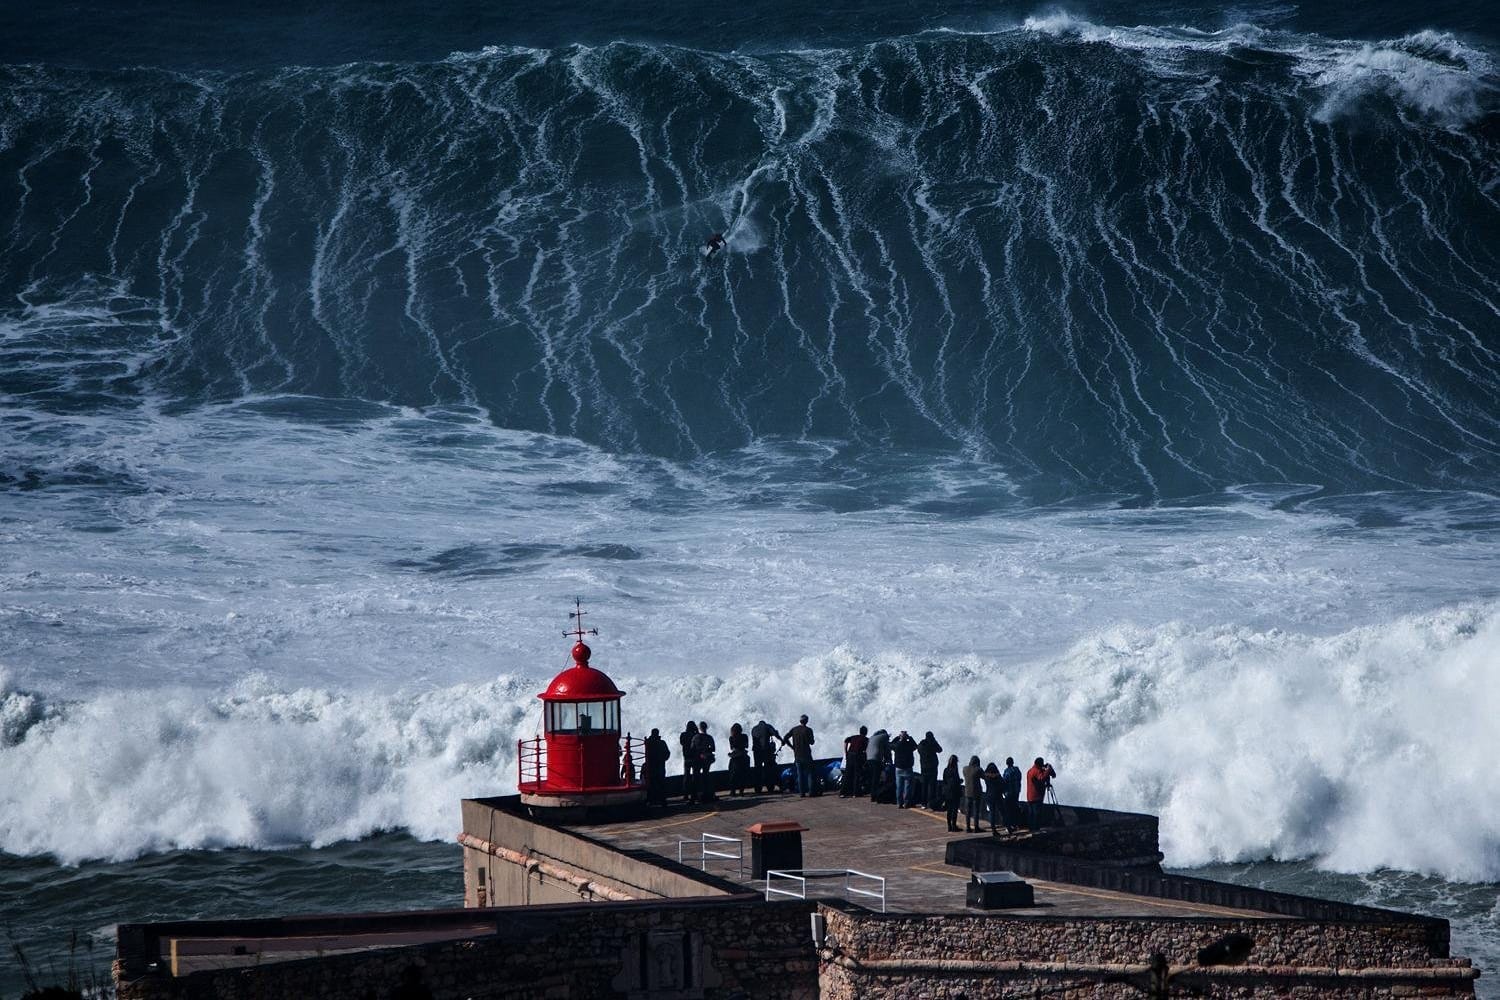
(511, 859)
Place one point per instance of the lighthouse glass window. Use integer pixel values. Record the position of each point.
(583, 717)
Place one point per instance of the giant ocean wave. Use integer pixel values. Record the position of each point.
(1149, 261)
(1250, 744)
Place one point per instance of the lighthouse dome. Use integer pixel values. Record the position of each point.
(581, 682)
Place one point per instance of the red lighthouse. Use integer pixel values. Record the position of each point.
(578, 762)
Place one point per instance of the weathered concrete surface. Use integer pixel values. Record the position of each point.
(906, 846)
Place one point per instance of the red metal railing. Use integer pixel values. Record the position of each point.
(531, 761)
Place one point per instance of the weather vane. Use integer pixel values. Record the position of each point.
(578, 631)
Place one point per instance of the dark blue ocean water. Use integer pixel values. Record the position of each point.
(1114, 381)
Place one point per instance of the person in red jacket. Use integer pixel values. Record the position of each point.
(1037, 780)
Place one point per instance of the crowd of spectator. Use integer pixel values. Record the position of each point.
(900, 770)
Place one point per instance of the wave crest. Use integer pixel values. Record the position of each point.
(1368, 749)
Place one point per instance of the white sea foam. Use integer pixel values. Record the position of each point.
(1432, 72)
(1369, 749)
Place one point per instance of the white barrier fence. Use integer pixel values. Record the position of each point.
(793, 883)
(719, 852)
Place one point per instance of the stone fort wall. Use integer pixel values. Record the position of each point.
(874, 957)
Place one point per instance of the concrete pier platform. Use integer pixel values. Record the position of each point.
(907, 847)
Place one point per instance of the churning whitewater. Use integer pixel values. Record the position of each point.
(1124, 393)
(1134, 718)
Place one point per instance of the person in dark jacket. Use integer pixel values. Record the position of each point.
(1038, 780)
(763, 737)
(655, 769)
(800, 739)
(953, 791)
(854, 763)
(973, 774)
(904, 756)
(927, 754)
(1010, 795)
(703, 749)
(885, 787)
(992, 786)
(876, 755)
(739, 760)
(689, 762)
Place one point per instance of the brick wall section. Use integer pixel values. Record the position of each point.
(748, 948)
(839, 984)
(873, 957)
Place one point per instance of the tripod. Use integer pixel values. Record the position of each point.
(1051, 800)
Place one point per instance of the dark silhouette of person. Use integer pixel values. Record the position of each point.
(1010, 795)
(703, 758)
(904, 755)
(716, 242)
(854, 763)
(876, 754)
(953, 791)
(689, 763)
(800, 739)
(973, 801)
(992, 791)
(739, 760)
(655, 769)
(763, 737)
(927, 754)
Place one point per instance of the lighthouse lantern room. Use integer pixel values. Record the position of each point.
(579, 761)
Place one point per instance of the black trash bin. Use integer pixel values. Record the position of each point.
(775, 845)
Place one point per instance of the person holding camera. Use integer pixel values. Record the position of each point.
(763, 737)
(1038, 780)
(904, 756)
(927, 753)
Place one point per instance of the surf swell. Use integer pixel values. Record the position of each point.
(1142, 260)
(1341, 748)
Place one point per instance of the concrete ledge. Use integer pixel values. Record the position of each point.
(980, 855)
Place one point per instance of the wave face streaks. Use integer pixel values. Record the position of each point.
(1141, 260)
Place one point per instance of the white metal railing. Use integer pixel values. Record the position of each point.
(870, 880)
(722, 853)
(869, 886)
